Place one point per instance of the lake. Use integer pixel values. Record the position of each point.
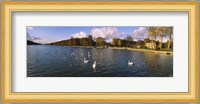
(60, 61)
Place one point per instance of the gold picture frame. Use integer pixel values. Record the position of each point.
(9, 96)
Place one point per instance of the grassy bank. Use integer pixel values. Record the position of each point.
(163, 51)
(80, 46)
(83, 46)
(117, 47)
(154, 51)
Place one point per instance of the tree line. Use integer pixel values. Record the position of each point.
(161, 32)
(155, 35)
(86, 41)
(99, 41)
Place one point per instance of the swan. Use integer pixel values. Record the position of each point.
(94, 64)
(85, 61)
(88, 54)
(72, 54)
(130, 63)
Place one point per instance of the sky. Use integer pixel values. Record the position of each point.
(47, 34)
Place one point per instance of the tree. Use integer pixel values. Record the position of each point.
(90, 40)
(162, 31)
(169, 32)
(114, 42)
(129, 38)
(152, 32)
(100, 41)
(119, 42)
(128, 41)
(146, 40)
(140, 43)
(85, 41)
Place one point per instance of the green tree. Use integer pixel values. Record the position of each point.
(100, 41)
(140, 43)
(146, 40)
(90, 41)
(162, 33)
(128, 41)
(169, 32)
(119, 42)
(129, 38)
(114, 42)
(152, 32)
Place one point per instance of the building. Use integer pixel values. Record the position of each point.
(151, 45)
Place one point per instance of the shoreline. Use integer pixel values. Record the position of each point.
(153, 51)
(80, 46)
(144, 50)
(125, 48)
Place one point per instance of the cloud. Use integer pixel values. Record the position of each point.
(122, 35)
(30, 28)
(105, 32)
(32, 38)
(79, 35)
(140, 33)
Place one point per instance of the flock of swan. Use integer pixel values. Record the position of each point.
(94, 64)
(85, 61)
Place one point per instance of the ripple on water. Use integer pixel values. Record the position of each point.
(58, 61)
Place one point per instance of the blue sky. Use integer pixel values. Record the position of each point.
(47, 34)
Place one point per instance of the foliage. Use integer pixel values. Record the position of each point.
(154, 33)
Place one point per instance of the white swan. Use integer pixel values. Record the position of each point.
(72, 54)
(88, 54)
(85, 61)
(94, 64)
(130, 63)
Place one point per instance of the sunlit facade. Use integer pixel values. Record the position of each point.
(151, 45)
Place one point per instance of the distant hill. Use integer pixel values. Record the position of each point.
(32, 43)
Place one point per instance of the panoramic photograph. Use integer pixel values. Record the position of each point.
(99, 51)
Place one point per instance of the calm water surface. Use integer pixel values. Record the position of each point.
(59, 61)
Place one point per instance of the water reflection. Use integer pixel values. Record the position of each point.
(58, 61)
(94, 70)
